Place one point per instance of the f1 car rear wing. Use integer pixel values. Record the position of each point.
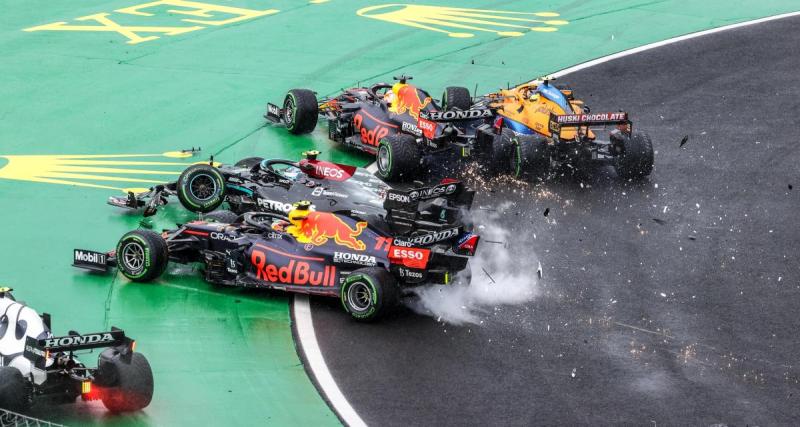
(39, 350)
(557, 122)
(453, 191)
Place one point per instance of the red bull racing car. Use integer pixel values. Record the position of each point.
(399, 123)
(306, 251)
(34, 363)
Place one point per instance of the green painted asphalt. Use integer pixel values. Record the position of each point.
(227, 356)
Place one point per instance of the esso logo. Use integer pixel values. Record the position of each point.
(329, 172)
(408, 254)
(426, 125)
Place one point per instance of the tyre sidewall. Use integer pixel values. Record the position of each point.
(376, 300)
(194, 203)
(147, 263)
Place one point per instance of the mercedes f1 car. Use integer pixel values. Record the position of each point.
(544, 126)
(364, 264)
(34, 363)
(399, 123)
(255, 184)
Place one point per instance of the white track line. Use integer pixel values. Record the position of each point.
(302, 310)
(316, 362)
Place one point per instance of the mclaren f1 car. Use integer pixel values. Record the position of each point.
(399, 123)
(365, 265)
(544, 126)
(35, 364)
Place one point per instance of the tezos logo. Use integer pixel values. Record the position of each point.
(91, 257)
(351, 258)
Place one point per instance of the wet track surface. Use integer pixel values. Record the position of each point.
(668, 302)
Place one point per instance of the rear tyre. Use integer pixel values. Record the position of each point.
(15, 390)
(201, 188)
(529, 158)
(456, 97)
(248, 163)
(300, 111)
(497, 162)
(636, 160)
(398, 158)
(142, 255)
(133, 388)
(225, 217)
(369, 294)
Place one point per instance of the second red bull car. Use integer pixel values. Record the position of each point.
(308, 251)
(399, 123)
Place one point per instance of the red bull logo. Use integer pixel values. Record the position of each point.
(318, 227)
(408, 101)
(296, 272)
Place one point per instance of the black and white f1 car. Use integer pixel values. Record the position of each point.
(35, 363)
(364, 264)
(255, 184)
(399, 123)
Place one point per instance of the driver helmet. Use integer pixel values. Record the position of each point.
(392, 95)
(297, 215)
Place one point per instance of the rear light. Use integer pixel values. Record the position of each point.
(468, 244)
(86, 387)
(498, 125)
(133, 346)
(449, 181)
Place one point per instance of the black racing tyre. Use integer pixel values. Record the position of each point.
(201, 188)
(300, 111)
(456, 97)
(133, 382)
(142, 255)
(398, 158)
(15, 390)
(248, 163)
(225, 217)
(369, 294)
(636, 160)
(529, 157)
(497, 159)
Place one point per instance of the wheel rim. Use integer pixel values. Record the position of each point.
(133, 257)
(203, 187)
(360, 296)
(384, 158)
(288, 111)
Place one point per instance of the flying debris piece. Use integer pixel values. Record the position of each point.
(659, 221)
(692, 238)
(488, 275)
(539, 270)
(192, 150)
(684, 140)
(573, 372)
(790, 186)
(546, 211)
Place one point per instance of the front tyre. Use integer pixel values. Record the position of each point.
(529, 158)
(222, 216)
(369, 294)
(142, 255)
(15, 390)
(300, 111)
(398, 158)
(636, 160)
(456, 97)
(132, 388)
(201, 188)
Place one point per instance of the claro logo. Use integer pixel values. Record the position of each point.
(297, 271)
